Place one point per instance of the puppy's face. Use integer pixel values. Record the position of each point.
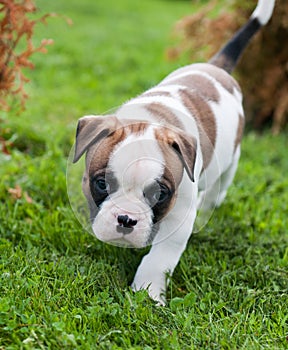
(133, 170)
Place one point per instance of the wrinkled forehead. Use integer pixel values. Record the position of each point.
(138, 159)
(135, 158)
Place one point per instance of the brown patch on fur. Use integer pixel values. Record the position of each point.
(91, 130)
(201, 84)
(173, 171)
(205, 118)
(87, 192)
(179, 151)
(98, 155)
(225, 79)
(136, 127)
(240, 129)
(173, 166)
(164, 114)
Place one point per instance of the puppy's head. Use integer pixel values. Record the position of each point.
(133, 170)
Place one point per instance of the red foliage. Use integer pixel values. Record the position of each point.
(16, 27)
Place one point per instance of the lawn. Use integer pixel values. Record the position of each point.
(60, 288)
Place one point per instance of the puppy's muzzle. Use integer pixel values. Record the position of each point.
(125, 224)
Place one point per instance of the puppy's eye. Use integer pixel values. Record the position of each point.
(157, 194)
(101, 185)
(164, 193)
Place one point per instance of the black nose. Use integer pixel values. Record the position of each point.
(125, 221)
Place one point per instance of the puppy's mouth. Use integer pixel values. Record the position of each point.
(124, 230)
(127, 239)
(125, 243)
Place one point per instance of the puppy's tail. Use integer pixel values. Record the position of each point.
(229, 55)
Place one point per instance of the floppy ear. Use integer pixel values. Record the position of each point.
(185, 146)
(90, 130)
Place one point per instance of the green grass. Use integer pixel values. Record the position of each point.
(62, 289)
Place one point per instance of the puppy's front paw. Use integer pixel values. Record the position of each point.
(155, 290)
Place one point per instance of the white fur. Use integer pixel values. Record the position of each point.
(263, 11)
(104, 225)
(132, 157)
(136, 162)
(176, 228)
(227, 115)
(169, 244)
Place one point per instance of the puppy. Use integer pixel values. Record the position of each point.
(165, 154)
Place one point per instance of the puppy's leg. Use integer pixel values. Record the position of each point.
(215, 195)
(226, 178)
(163, 257)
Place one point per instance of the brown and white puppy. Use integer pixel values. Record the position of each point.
(163, 155)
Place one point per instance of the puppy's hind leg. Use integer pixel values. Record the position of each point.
(215, 195)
